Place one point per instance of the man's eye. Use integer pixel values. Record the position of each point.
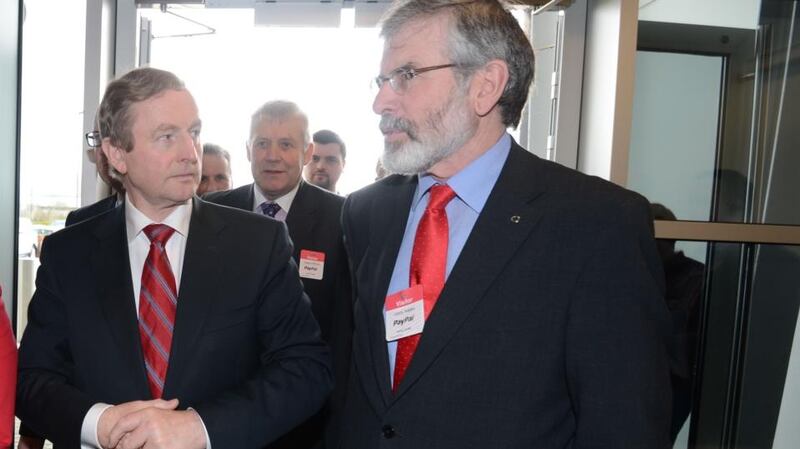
(408, 75)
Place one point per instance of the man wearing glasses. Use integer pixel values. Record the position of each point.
(501, 301)
(96, 156)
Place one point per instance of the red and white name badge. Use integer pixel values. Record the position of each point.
(312, 264)
(405, 313)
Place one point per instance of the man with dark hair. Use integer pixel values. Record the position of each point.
(278, 148)
(327, 160)
(216, 173)
(501, 301)
(141, 332)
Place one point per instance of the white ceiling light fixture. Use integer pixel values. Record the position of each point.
(369, 12)
(298, 13)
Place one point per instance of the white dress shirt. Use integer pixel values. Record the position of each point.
(138, 248)
(285, 202)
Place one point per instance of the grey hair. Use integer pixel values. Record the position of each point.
(279, 110)
(480, 31)
(213, 149)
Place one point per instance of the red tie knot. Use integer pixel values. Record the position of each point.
(158, 233)
(441, 194)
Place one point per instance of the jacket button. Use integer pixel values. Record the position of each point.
(388, 431)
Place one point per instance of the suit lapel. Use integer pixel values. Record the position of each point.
(386, 227)
(244, 197)
(111, 269)
(195, 293)
(300, 219)
(509, 212)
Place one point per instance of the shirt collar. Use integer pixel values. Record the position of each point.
(285, 201)
(136, 220)
(475, 182)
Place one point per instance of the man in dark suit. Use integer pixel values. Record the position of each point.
(27, 438)
(167, 321)
(502, 301)
(95, 154)
(278, 148)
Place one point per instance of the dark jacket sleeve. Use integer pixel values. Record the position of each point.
(617, 339)
(295, 377)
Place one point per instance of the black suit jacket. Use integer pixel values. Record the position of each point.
(246, 352)
(551, 330)
(94, 209)
(77, 216)
(314, 224)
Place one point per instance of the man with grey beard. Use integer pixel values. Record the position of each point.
(500, 300)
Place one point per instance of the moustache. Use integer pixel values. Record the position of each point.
(390, 123)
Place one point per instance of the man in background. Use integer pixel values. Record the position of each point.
(327, 161)
(501, 301)
(141, 332)
(95, 155)
(216, 174)
(278, 148)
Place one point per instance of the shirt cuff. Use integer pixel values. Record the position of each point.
(89, 438)
(208, 438)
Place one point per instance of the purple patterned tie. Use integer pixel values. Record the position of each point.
(270, 209)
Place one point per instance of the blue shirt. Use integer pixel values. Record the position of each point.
(472, 186)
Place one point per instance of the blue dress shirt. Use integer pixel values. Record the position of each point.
(472, 186)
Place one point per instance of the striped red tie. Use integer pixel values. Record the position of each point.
(157, 304)
(428, 267)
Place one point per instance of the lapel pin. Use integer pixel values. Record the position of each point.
(515, 218)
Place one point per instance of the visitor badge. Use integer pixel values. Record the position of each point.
(405, 313)
(312, 264)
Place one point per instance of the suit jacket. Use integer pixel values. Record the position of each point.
(314, 224)
(246, 352)
(94, 209)
(550, 332)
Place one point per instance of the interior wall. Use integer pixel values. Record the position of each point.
(674, 133)
(720, 13)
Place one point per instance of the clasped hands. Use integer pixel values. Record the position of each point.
(153, 424)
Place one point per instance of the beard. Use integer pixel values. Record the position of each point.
(445, 132)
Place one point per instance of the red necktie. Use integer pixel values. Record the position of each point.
(157, 303)
(428, 267)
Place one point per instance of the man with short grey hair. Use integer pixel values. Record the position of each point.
(278, 148)
(501, 301)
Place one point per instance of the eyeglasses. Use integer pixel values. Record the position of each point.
(93, 139)
(398, 79)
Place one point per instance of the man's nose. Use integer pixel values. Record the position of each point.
(190, 148)
(385, 100)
